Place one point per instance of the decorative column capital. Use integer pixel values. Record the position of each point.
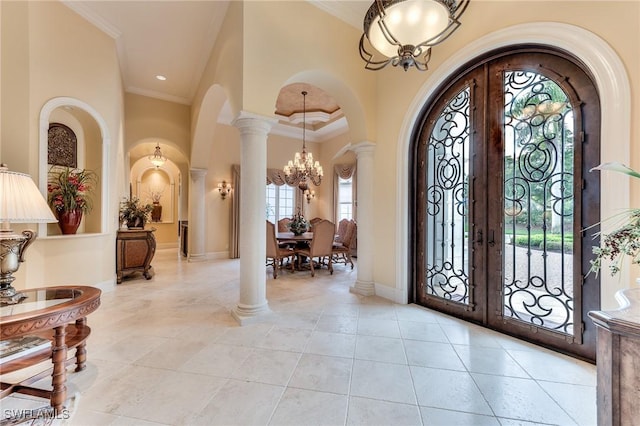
(363, 148)
(250, 123)
(197, 174)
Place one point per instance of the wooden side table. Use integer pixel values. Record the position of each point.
(134, 251)
(56, 313)
(618, 361)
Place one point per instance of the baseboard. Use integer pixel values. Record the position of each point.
(106, 286)
(395, 295)
(167, 245)
(218, 255)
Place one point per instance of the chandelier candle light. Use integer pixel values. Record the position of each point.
(303, 168)
(157, 159)
(404, 31)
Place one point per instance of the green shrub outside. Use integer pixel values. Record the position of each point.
(554, 241)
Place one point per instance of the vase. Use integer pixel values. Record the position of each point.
(69, 220)
(156, 213)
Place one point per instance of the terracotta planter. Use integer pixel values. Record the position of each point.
(68, 221)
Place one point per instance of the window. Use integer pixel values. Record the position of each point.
(345, 199)
(280, 202)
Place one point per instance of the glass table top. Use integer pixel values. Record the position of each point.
(39, 299)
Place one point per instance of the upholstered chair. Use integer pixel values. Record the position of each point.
(321, 245)
(275, 253)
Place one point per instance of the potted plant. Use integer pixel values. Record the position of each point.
(69, 195)
(134, 213)
(624, 240)
(299, 225)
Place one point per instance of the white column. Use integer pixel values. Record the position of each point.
(253, 166)
(196, 230)
(364, 174)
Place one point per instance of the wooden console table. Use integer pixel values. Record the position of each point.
(56, 313)
(618, 361)
(134, 251)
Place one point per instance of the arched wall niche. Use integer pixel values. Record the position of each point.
(144, 177)
(150, 180)
(92, 154)
(612, 82)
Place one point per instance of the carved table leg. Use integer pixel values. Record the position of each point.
(59, 375)
(81, 349)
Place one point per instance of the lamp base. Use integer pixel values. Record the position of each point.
(9, 296)
(12, 247)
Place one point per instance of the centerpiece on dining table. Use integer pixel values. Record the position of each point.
(299, 225)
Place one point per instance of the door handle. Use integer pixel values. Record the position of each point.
(492, 240)
(478, 237)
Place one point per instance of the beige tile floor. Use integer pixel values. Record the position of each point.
(167, 352)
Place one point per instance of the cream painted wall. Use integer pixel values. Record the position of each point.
(36, 68)
(284, 39)
(14, 44)
(149, 118)
(225, 64)
(224, 152)
(168, 123)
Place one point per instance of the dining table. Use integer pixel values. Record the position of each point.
(305, 237)
(301, 240)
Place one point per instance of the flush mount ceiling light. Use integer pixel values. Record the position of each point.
(157, 159)
(161, 77)
(403, 31)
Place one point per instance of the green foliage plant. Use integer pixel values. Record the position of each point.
(70, 189)
(624, 240)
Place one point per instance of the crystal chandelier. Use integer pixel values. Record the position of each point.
(303, 168)
(404, 31)
(157, 159)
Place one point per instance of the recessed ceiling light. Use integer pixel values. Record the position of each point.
(161, 77)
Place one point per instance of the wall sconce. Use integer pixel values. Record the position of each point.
(224, 189)
(309, 193)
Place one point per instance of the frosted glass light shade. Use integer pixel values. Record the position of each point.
(411, 22)
(20, 199)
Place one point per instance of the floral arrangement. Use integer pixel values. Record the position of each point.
(69, 189)
(155, 194)
(134, 213)
(299, 224)
(624, 240)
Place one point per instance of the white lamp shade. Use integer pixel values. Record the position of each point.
(411, 22)
(20, 199)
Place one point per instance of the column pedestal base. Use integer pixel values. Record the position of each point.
(363, 288)
(250, 314)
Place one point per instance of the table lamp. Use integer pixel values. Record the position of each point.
(20, 202)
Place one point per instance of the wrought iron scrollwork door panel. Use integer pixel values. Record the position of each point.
(500, 199)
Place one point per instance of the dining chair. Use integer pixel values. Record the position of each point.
(275, 253)
(342, 249)
(283, 224)
(313, 222)
(342, 228)
(321, 245)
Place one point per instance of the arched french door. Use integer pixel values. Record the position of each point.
(501, 198)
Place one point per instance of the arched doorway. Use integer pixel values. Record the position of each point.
(501, 198)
